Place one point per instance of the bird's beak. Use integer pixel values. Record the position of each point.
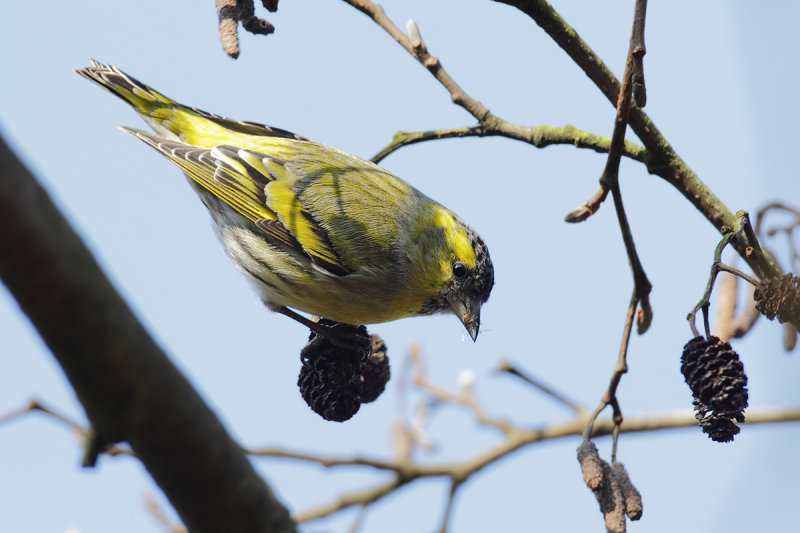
(468, 311)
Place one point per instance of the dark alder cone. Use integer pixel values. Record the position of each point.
(376, 372)
(716, 377)
(330, 379)
(779, 297)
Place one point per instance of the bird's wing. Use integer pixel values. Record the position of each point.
(246, 127)
(241, 179)
(368, 212)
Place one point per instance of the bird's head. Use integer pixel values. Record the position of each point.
(465, 272)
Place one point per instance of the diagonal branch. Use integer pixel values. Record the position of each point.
(351, 499)
(542, 387)
(538, 136)
(128, 387)
(664, 162)
(489, 124)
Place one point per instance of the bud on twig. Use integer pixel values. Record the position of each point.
(416, 38)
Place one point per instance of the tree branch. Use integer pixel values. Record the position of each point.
(128, 387)
(660, 158)
(404, 472)
(538, 136)
(520, 438)
(664, 161)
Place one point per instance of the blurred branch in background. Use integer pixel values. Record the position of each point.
(790, 231)
(404, 472)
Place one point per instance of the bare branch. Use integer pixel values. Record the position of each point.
(128, 387)
(465, 397)
(350, 499)
(638, 51)
(402, 468)
(405, 471)
(524, 437)
(448, 509)
(542, 387)
(489, 124)
(621, 367)
(160, 516)
(664, 162)
(538, 136)
(742, 225)
(773, 206)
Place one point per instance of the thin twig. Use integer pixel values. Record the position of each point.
(642, 286)
(609, 180)
(610, 176)
(400, 467)
(639, 50)
(489, 124)
(716, 267)
(35, 405)
(621, 367)
(561, 398)
(537, 136)
(773, 206)
(525, 437)
(736, 272)
(448, 509)
(161, 517)
(405, 472)
(665, 162)
(465, 397)
(350, 499)
(359, 520)
(787, 229)
(704, 301)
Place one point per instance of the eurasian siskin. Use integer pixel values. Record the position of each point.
(316, 229)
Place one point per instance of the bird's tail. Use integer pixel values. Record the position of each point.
(163, 114)
(143, 98)
(175, 121)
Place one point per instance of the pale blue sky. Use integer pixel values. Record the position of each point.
(722, 86)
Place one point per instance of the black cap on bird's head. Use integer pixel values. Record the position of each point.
(464, 274)
(471, 285)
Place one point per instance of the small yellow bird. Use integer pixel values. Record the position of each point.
(316, 229)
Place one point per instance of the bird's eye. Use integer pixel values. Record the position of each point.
(459, 269)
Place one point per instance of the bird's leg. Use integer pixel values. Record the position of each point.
(342, 335)
(310, 324)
